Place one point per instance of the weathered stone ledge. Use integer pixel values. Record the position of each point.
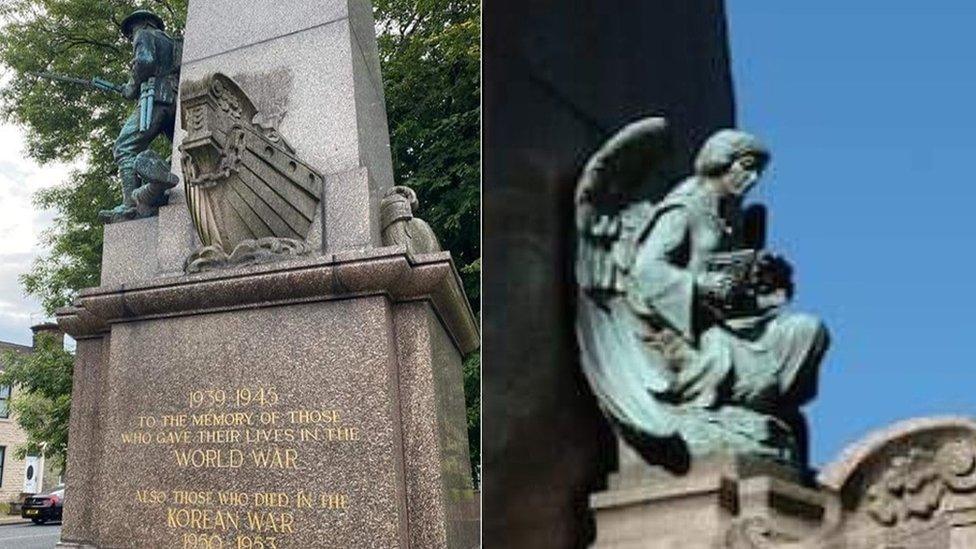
(388, 271)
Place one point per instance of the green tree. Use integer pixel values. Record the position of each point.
(430, 56)
(70, 123)
(429, 50)
(41, 396)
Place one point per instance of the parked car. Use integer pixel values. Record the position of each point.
(44, 507)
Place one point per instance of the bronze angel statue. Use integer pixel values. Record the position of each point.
(682, 327)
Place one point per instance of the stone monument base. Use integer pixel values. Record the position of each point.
(645, 507)
(910, 486)
(308, 403)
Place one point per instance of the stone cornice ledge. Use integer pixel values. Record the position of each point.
(386, 271)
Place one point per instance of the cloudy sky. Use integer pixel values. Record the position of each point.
(21, 225)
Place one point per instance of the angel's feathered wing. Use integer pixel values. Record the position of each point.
(615, 193)
(614, 201)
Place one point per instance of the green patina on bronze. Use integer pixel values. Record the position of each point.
(154, 82)
(682, 325)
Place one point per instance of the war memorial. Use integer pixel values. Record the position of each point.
(273, 357)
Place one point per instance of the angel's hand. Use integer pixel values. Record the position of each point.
(773, 300)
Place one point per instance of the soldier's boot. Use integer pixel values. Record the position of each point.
(152, 168)
(154, 173)
(127, 209)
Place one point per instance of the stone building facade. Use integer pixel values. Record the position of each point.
(12, 470)
(11, 436)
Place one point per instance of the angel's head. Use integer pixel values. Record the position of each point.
(732, 161)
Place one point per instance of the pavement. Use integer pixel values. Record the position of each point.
(24, 534)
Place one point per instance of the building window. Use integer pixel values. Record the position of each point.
(3, 459)
(5, 401)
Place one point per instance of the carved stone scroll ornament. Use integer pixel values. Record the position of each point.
(244, 183)
(916, 482)
(911, 486)
(249, 252)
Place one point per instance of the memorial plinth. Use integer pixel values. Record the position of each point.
(911, 486)
(308, 400)
(317, 402)
(645, 506)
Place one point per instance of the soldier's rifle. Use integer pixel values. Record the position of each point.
(146, 95)
(95, 83)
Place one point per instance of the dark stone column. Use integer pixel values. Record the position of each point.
(559, 78)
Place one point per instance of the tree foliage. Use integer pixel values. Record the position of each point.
(68, 123)
(41, 396)
(430, 56)
(430, 53)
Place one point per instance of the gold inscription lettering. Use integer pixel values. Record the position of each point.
(209, 459)
(173, 437)
(229, 419)
(313, 416)
(233, 498)
(270, 521)
(333, 501)
(234, 428)
(342, 433)
(202, 519)
(275, 458)
(150, 496)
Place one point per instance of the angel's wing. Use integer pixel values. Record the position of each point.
(614, 195)
(614, 200)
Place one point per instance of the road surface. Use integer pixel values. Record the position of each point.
(29, 536)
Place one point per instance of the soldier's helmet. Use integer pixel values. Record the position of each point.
(141, 16)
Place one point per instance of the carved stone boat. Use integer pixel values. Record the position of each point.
(243, 180)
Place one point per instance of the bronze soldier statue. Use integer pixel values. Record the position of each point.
(154, 81)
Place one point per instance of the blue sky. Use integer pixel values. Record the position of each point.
(870, 110)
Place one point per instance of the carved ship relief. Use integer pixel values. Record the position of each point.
(244, 183)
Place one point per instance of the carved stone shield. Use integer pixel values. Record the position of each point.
(243, 180)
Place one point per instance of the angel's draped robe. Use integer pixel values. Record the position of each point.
(719, 385)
